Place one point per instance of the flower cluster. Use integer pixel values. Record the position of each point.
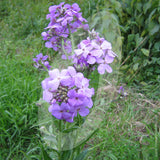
(64, 20)
(94, 51)
(67, 93)
(40, 61)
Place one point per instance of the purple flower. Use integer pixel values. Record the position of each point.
(100, 48)
(61, 111)
(82, 110)
(40, 57)
(40, 61)
(75, 98)
(94, 52)
(47, 96)
(56, 78)
(46, 64)
(64, 19)
(104, 65)
(83, 49)
(66, 95)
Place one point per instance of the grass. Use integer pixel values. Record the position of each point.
(130, 130)
(20, 88)
(131, 125)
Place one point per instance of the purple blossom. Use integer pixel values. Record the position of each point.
(61, 111)
(40, 61)
(83, 111)
(104, 64)
(67, 93)
(64, 19)
(75, 98)
(92, 52)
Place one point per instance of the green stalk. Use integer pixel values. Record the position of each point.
(72, 39)
(60, 139)
(63, 47)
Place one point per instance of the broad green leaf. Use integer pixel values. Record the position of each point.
(135, 66)
(145, 62)
(146, 6)
(139, 6)
(145, 51)
(157, 46)
(50, 138)
(140, 20)
(154, 29)
(151, 14)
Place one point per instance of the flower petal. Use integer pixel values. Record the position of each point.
(91, 60)
(54, 73)
(101, 69)
(108, 68)
(106, 45)
(109, 59)
(84, 111)
(47, 96)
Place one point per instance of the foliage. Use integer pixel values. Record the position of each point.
(142, 34)
(140, 28)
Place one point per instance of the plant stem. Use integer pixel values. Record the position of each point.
(60, 139)
(72, 40)
(63, 47)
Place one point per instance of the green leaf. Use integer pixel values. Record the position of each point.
(157, 46)
(151, 14)
(138, 39)
(139, 7)
(155, 29)
(145, 51)
(82, 155)
(45, 154)
(50, 138)
(135, 66)
(124, 67)
(131, 37)
(146, 7)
